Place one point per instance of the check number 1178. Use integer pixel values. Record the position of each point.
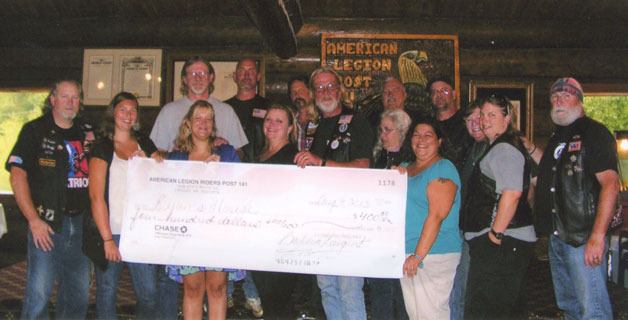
(385, 183)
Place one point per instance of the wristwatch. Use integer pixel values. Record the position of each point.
(498, 235)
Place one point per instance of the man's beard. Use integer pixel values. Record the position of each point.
(391, 103)
(199, 91)
(68, 115)
(299, 103)
(566, 117)
(327, 106)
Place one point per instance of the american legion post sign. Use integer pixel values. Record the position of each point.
(365, 60)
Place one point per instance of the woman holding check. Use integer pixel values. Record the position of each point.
(195, 142)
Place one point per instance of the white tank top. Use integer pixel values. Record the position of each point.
(117, 192)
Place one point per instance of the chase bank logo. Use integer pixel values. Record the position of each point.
(171, 229)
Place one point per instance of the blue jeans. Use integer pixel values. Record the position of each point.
(249, 288)
(66, 264)
(168, 292)
(580, 290)
(342, 297)
(386, 299)
(456, 299)
(144, 279)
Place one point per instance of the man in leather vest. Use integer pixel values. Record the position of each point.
(577, 194)
(343, 139)
(49, 178)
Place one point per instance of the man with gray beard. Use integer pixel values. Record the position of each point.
(576, 195)
(49, 178)
(343, 139)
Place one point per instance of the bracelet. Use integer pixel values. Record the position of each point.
(324, 163)
(110, 239)
(418, 257)
(531, 152)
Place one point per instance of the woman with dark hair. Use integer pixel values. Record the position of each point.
(195, 142)
(497, 219)
(120, 140)
(389, 151)
(433, 240)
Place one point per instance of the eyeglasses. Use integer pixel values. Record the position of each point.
(199, 74)
(385, 130)
(444, 91)
(330, 87)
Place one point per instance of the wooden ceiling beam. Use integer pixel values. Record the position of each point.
(278, 21)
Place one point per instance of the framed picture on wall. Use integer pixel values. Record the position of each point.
(109, 71)
(520, 94)
(224, 68)
(364, 61)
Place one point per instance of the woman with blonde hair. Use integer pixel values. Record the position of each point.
(195, 142)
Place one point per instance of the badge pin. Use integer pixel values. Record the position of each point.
(569, 173)
(559, 150)
(573, 158)
(343, 127)
(335, 144)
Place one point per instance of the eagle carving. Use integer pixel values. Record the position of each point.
(409, 70)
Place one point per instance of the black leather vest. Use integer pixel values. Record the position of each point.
(339, 145)
(574, 193)
(481, 199)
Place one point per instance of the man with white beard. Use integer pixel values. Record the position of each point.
(343, 139)
(576, 194)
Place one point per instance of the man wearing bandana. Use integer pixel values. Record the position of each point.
(577, 193)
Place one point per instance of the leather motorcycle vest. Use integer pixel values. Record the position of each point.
(573, 193)
(480, 203)
(338, 147)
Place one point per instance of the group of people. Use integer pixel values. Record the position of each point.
(469, 232)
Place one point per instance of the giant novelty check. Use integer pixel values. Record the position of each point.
(265, 217)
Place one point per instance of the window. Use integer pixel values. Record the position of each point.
(17, 106)
(612, 111)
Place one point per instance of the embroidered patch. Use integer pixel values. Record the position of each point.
(259, 113)
(15, 159)
(574, 146)
(47, 162)
(346, 118)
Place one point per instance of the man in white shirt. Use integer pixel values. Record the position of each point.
(197, 83)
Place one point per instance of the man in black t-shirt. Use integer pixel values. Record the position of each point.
(576, 195)
(343, 139)
(457, 139)
(250, 107)
(49, 178)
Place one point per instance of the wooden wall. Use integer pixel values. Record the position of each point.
(493, 51)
